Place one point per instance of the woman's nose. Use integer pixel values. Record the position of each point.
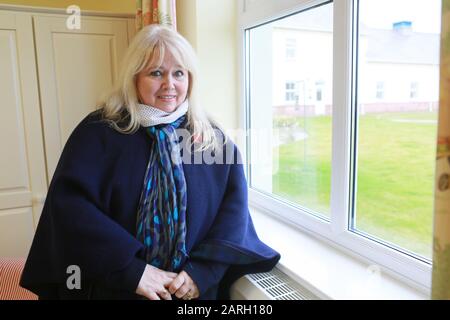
(168, 82)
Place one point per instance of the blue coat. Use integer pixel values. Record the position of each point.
(89, 220)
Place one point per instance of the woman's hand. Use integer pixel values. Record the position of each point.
(184, 287)
(153, 283)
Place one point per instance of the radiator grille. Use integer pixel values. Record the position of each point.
(279, 286)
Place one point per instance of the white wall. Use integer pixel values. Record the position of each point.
(397, 80)
(210, 26)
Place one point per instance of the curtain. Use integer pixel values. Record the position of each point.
(441, 241)
(155, 11)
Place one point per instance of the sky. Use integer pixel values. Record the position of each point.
(424, 14)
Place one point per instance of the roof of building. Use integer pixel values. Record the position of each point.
(402, 46)
(397, 45)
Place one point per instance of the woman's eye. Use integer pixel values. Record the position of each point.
(179, 73)
(156, 73)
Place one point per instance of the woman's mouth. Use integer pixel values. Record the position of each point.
(167, 98)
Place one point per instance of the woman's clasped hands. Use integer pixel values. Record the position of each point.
(157, 284)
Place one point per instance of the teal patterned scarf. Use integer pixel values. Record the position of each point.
(161, 219)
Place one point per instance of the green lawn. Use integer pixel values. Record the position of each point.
(395, 174)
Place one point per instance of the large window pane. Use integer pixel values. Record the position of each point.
(398, 83)
(290, 91)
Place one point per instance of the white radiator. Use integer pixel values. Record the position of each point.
(274, 285)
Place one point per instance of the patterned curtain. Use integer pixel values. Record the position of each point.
(155, 11)
(441, 247)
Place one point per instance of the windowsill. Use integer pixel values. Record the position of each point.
(327, 271)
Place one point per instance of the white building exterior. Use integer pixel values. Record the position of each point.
(398, 69)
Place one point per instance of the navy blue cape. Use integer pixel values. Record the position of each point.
(89, 220)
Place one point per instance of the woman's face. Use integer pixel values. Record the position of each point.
(164, 87)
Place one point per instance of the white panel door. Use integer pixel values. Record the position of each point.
(23, 181)
(75, 68)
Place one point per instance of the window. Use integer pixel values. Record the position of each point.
(352, 161)
(396, 136)
(291, 48)
(291, 92)
(413, 90)
(319, 90)
(380, 90)
(300, 154)
(319, 94)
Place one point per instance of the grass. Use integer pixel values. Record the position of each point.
(395, 175)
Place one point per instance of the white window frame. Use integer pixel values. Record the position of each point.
(406, 268)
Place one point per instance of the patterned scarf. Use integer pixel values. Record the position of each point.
(161, 219)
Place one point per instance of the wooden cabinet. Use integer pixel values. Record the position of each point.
(51, 77)
(75, 68)
(22, 163)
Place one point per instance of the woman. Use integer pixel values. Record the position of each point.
(128, 208)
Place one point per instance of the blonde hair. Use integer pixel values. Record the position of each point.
(150, 46)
